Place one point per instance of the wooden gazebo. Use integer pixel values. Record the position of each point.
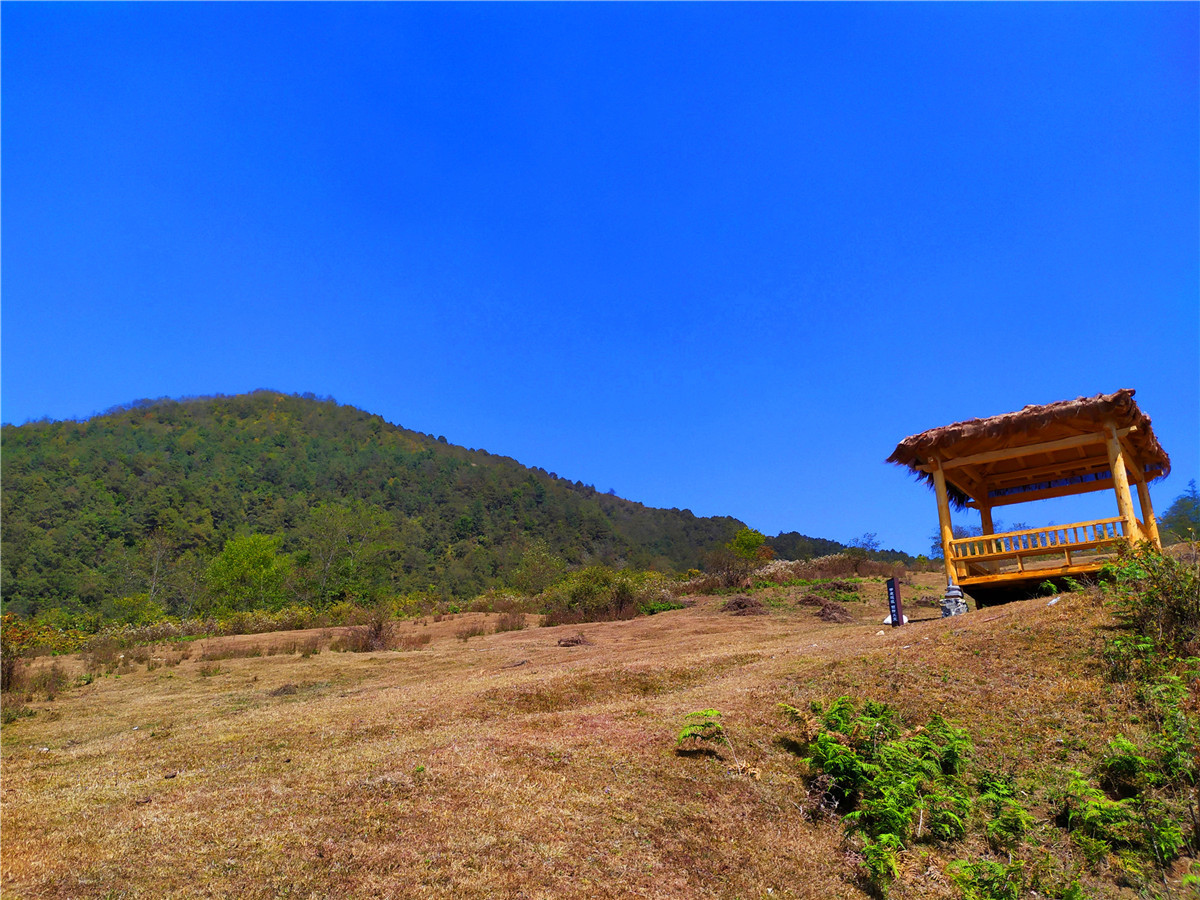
(1071, 447)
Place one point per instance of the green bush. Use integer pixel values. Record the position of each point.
(879, 860)
(1123, 770)
(895, 788)
(137, 609)
(601, 594)
(249, 573)
(1181, 521)
(986, 879)
(1007, 829)
(1090, 812)
(1157, 598)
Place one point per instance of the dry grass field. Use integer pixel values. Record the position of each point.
(506, 765)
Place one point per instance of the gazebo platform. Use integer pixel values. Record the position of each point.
(1056, 450)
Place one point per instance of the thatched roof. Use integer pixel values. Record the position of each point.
(1041, 472)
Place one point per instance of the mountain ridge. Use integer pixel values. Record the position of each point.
(94, 507)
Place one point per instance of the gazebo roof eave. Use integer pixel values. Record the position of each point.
(1027, 427)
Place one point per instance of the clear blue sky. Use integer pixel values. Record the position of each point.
(716, 257)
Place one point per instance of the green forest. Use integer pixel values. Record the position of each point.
(207, 506)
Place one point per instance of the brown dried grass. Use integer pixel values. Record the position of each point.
(512, 766)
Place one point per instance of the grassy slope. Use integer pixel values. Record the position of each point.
(510, 766)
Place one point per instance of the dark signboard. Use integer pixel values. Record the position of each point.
(895, 607)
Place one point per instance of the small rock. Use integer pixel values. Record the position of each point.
(170, 775)
(881, 632)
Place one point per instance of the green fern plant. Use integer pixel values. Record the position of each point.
(704, 727)
(1008, 827)
(880, 861)
(899, 787)
(985, 879)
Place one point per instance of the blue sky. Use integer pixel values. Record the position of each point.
(715, 257)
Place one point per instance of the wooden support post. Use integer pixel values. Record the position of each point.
(947, 529)
(1148, 513)
(1116, 462)
(985, 519)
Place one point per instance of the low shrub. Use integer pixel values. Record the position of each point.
(414, 641)
(13, 710)
(1156, 597)
(602, 594)
(988, 879)
(231, 651)
(48, 681)
(103, 654)
(702, 727)
(378, 632)
(894, 788)
(724, 568)
(499, 600)
(510, 621)
(897, 786)
(654, 607)
(8, 663)
(466, 632)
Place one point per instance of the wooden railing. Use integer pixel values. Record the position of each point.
(1062, 548)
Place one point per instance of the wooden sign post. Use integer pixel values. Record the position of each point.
(894, 605)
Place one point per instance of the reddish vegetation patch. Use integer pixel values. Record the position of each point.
(745, 606)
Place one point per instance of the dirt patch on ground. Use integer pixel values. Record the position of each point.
(834, 612)
(745, 606)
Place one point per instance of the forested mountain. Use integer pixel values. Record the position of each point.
(793, 545)
(158, 501)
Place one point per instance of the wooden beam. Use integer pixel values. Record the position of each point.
(947, 529)
(1033, 575)
(985, 517)
(1137, 468)
(1079, 440)
(1064, 469)
(1116, 459)
(967, 482)
(1151, 523)
(1069, 490)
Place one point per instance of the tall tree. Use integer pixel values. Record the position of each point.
(249, 573)
(1181, 521)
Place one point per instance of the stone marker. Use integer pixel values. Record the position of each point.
(953, 604)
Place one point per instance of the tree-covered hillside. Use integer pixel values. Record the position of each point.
(281, 497)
